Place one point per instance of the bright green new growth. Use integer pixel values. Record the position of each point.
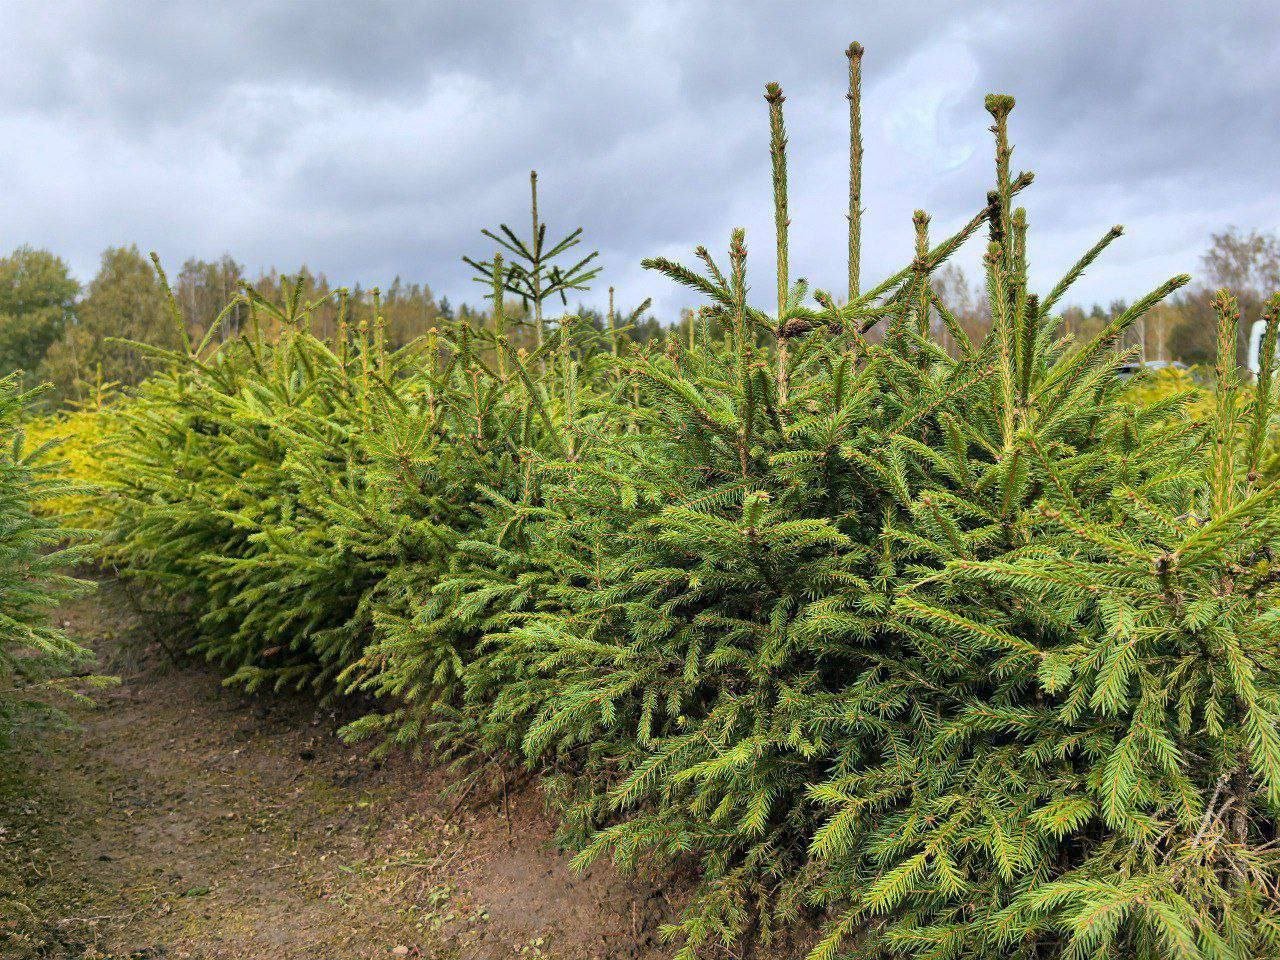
(937, 656)
(33, 570)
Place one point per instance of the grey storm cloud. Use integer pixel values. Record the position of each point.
(370, 140)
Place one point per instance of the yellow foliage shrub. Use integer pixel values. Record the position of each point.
(1157, 385)
(74, 439)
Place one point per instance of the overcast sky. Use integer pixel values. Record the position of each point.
(374, 139)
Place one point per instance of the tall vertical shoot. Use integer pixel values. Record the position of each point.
(854, 53)
(782, 223)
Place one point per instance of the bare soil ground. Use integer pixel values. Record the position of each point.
(185, 820)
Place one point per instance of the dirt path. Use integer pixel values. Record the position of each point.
(183, 820)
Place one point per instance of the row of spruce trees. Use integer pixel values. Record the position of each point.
(34, 573)
(907, 652)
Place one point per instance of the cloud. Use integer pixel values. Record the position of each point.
(925, 90)
(370, 140)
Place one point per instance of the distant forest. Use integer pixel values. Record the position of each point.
(66, 335)
(59, 332)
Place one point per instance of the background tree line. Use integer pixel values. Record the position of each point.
(54, 330)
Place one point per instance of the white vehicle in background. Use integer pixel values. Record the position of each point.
(1127, 370)
(1256, 333)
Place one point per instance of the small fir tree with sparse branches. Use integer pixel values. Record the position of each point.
(532, 272)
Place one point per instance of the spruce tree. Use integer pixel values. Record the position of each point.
(904, 651)
(34, 570)
(533, 273)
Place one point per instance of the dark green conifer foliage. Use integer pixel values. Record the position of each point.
(904, 644)
(34, 574)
